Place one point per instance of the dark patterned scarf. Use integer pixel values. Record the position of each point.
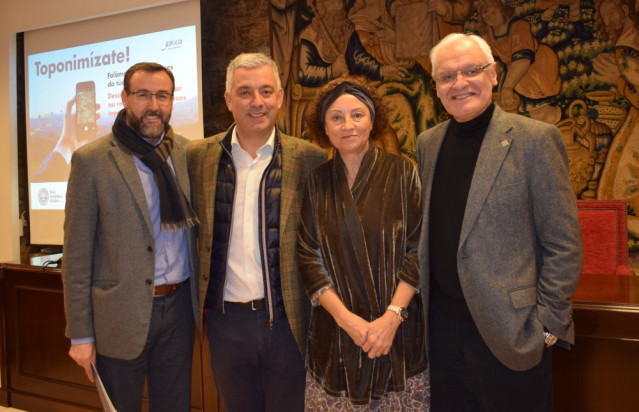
(175, 210)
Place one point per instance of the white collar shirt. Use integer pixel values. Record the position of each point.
(244, 274)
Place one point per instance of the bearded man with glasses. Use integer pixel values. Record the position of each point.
(129, 252)
(500, 248)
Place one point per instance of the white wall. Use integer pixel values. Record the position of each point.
(19, 16)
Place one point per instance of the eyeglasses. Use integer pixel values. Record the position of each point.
(468, 73)
(144, 96)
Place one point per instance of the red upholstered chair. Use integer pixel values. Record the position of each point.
(604, 228)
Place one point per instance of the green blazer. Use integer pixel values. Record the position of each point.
(298, 159)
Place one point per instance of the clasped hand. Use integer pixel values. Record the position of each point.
(376, 337)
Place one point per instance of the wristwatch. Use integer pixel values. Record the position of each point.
(400, 311)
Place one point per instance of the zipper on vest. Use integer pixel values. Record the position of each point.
(228, 243)
(265, 263)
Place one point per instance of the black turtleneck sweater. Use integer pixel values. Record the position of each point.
(451, 184)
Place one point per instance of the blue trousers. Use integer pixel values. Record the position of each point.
(165, 361)
(256, 368)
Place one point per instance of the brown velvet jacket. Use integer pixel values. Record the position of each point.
(362, 242)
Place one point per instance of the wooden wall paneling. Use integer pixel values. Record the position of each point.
(37, 373)
(37, 350)
(600, 373)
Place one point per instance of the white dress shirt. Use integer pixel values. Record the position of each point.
(244, 278)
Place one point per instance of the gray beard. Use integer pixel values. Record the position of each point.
(152, 132)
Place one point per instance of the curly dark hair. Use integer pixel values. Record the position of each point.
(328, 93)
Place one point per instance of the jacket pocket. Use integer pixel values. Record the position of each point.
(507, 191)
(524, 296)
(104, 284)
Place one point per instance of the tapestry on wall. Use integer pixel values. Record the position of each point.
(574, 64)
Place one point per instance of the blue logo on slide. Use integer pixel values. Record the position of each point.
(43, 196)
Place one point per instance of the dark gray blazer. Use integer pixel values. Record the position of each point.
(520, 251)
(109, 259)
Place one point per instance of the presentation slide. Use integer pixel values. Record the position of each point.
(73, 97)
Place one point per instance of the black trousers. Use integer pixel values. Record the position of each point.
(256, 368)
(466, 376)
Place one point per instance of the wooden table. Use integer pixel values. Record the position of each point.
(601, 372)
(36, 371)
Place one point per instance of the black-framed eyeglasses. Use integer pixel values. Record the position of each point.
(144, 96)
(468, 73)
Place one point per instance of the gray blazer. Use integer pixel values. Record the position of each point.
(108, 262)
(520, 251)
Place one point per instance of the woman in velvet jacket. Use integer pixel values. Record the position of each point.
(357, 250)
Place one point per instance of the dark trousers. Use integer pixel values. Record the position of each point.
(256, 368)
(165, 361)
(466, 376)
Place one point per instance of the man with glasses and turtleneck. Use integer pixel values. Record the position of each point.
(500, 249)
(129, 252)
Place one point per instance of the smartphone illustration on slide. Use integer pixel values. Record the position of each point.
(85, 111)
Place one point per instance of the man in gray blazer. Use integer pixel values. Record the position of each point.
(129, 252)
(500, 250)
